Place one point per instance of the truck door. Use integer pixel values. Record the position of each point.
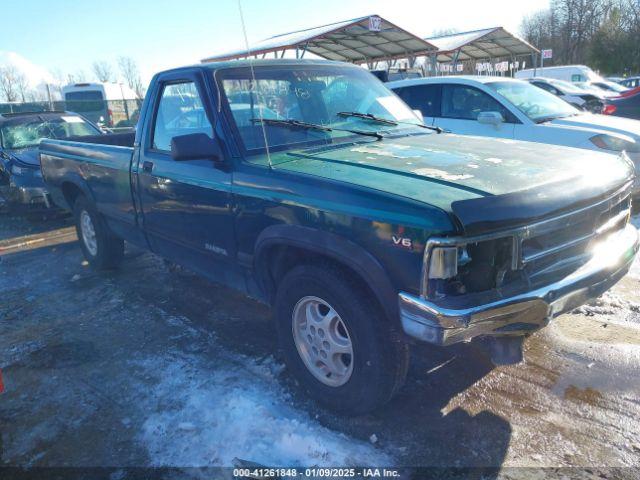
(186, 205)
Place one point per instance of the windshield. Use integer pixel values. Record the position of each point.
(27, 132)
(567, 87)
(314, 94)
(534, 102)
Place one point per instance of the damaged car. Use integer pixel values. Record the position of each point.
(21, 183)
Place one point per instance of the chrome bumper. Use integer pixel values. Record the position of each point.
(524, 313)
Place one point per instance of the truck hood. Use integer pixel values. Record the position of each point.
(602, 123)
(443, 170)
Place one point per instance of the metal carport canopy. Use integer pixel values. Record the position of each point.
(360, 40)
(482, 44)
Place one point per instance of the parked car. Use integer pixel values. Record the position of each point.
(393, 74)
(513, 109)
(568, 73)
(631, 82)
(360, 226)
(613, 88)
(21, 181)
(578, 97)
(624, 106)
(107, 104)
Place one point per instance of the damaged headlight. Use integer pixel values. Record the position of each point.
(443, 263)
(467, 267)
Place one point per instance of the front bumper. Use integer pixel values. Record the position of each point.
(27, 192)
(526, 312)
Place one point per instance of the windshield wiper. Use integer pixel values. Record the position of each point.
(291, 123)
(386, 121)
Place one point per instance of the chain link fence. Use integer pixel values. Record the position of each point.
(112, 114)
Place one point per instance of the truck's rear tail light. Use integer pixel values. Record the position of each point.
(443, 263)
(609, 109)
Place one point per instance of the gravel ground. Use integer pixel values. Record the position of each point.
(147, 367)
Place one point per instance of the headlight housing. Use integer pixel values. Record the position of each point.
(443, 263)
(615, 144)
(469, 266)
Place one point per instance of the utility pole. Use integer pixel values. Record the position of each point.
(49, 97)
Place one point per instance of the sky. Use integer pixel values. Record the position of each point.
(66, 36)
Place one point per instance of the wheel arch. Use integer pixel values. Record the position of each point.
(279, 240)
(73, 185)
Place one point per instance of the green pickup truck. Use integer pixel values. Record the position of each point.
(310, 186)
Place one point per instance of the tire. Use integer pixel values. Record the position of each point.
(104, 251)
(369, 376)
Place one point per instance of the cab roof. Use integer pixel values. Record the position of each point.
(258, 63)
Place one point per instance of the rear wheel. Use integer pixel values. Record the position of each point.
(336, 341)
(100, 247)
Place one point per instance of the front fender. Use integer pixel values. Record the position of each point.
(335, 247)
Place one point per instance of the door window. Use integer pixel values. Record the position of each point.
(180, 112)
(463, 102)
(425, 98)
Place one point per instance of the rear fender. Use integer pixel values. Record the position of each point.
(77, 181)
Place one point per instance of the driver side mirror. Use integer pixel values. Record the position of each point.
(490, 118)
(195, 146)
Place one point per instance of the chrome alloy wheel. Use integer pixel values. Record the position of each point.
(323, 341)
(88, 233)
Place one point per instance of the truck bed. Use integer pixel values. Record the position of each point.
(102, 162)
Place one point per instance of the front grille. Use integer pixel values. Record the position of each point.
(511, 262)
(560, 245)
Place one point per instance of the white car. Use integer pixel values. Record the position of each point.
(507, 108)
(569, 92)
(614, 89)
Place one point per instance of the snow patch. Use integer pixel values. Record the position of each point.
(207, 415)
(608, 304)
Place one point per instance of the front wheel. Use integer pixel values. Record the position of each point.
(335, 340)
(100, 247)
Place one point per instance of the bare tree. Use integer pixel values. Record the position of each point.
(102, 71)
(22, 86)
(602, 33)
(131, 74)
(9, 83)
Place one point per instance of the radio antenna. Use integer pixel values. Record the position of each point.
(255, 83)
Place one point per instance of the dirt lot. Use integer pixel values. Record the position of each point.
(148, 367)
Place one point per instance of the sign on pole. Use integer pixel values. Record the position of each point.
(547, 54)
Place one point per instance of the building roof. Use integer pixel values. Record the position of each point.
(358, 40)
(481, 44)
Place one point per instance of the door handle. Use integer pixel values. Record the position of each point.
(147, 166)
